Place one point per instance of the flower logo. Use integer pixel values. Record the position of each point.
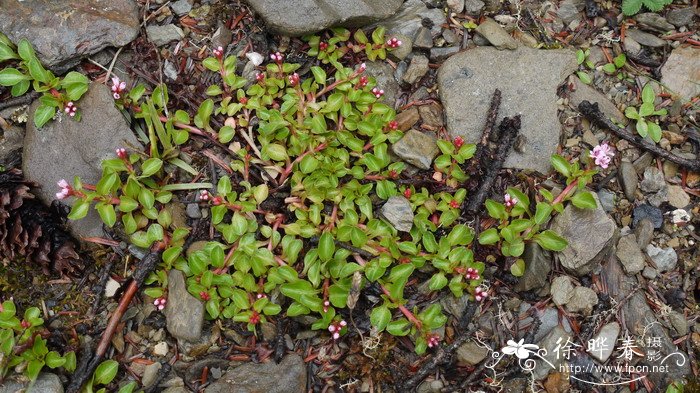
(519, 349)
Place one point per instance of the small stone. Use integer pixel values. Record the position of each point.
(629, 254)
(644, 232)
(112, 287)
(665, 259)
(10, 145)
(430, 386)
(402, 51)
(269, 377)
(681, 16)
(654, 21)
(632, 47)
(450, 37)
(184, 314)
(607, 337)
(556, 336)
(438, 55)
(181, 7)
(45, 383)
(193, 211)
(397, 210)
(649, 212)
(471, 354)
(562, 289)
(411, 16)
(417, 148)
(568, 11)
(456, 6)
(653, 180)
(162, 35)
(649, 272)
(431, 114)
(677, 197)
(160, 349)
(474, 7)
(169, 70)
(150, 374)
(589, 138)
(628, 180)
(407, 118)
(607, 200)
(679, 323)
(496, 35)
(423, 39)
(419, 66)
(537, 266)
(582, 300)
(646, 39)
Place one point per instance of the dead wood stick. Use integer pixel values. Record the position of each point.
(21, 100)
(491, 116)
(593, 113)
(508, 129)
(444, 352)
(87, 367)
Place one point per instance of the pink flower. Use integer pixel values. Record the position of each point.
(66, 189)
(70, 108)
(204, 195)
(259, 77)
(602, 155)
(117, 87)
(378, 92)
(433, 340)
(277, 57)
(362, 68)
(335, 328)
(510, 201)
(322, 45)
(121, 153)
(160, 303)
(363, 81)
(218, 52)
(393, 43)
(480, 294)
(294, 79)
(472, 274)
(458, 142)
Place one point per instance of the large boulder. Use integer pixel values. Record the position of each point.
(681, 73)
(64, 148)
(300, 17)
(64, 31)
(528, 79)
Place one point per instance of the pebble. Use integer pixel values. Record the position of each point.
(474, 7)
(450, 36)
(629, 254)
(644, 232)
(646, 39)
(193, 211)
(665, 259)
(628, 180)
(649, 272)
(160, 349)
(653, 180)
(456, 6)
(677, 197)
(607, 200)
(162, 35)
(423, 39)
(582, 300)
(184, 314)
(397, 210)
(606, 337)
(439, 55)
(631, 46)
(407, 118)
(150, 374)
(496, 35)
(681, 16)
(471, 353)
(417, 69)
(654, 21)
(562, 289)
(181, 7)
(537, 266)
(112, 287)
(417, 148)
(649, 212)
(431, 114)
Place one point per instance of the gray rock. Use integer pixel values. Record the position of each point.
(451, 37)
(150, 374)
(45, 383)
(496, 35)
(409, 18)
(64, 148)
(176, 389)
(677, 197)
(63, 32)
(162, 35)
(651, 213)
(679, 323)
(431, 114)
(423, 39)
(569, 10)
(630, 254)
(181, 7)
(474, 7)
(628, 180)
(456, 6)
(681, 16)
(417, 69)
(537, 266)
(471, 354)
(193, 211)
(384, 74)
(582, 300)
(184, 314)
(606, 340)
(561, 290)
(590, 235)
(665, 259)
(402, 51)
(528, 79)
(557, 336)
(397, 210)
(288, 376)
(430, 386)
(417, 148)
(407, 118)
(584, 92)
(649, 272)
(549, 319)
(300, 17)
(653, 180)
(439, 55)
(631, 46)
(654, 21)
(11, 145)
(454, 306)
(607, 200)
(169, 70)
(646, 39)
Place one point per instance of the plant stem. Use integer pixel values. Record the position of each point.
(565, 193)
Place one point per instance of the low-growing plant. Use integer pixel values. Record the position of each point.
(332, 49)
(644, 125)
(631, 7)
(23, 344)
(614, 68)
(59, 94)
